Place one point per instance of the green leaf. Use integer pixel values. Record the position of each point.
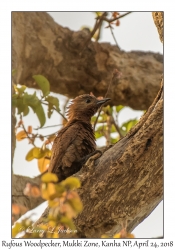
(100, 131)
(35, 104)
(129, 124)
(31, 100)
(103, 117)
(21, 89)
(114, 140)
(41, 115)
(43, 83)
(98, 134)
(93, 118)
(113, 129)
(53, 102)
(26, 111)
(50, 110)
(108, 109)
(20, 105)
(14, 100)
(119, 107)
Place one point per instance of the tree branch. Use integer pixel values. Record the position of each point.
(18, 185)
(41, 46)
(126, 182)
(158, 20)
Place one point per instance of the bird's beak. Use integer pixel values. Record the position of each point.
(100, 102)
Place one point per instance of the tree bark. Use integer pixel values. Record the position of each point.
(126, 182)
(74, 67)
(158, 20)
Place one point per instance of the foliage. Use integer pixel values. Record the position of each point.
(107, 124)
(63, 200)
(23, 101)
(64, 203)
(101, 18)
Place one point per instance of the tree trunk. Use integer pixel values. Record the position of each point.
(126, 182)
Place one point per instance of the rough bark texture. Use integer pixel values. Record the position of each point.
(126, 183)
(73, 67)
(158, 20)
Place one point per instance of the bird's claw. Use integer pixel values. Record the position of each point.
(90, 161)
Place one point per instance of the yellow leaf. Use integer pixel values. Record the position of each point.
(52, 224)
(54, 203)
(29, 155)
(104, 236)
(71, 183)
(49, 177)
(130, 235)
(38, 153)
(67, 222)
(17, 229)
(98, 13)
(117, 236)
(47, 152)
(49, 192)
(74, 200)
(76, 204)
(55, 235)
(60, 189)
(21, 135)
(43, 164)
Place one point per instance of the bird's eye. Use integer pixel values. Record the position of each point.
(88, 101)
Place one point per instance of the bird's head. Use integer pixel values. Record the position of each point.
(85, 106)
